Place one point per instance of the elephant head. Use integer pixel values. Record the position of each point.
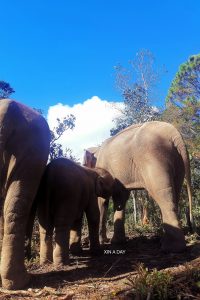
(104, 183)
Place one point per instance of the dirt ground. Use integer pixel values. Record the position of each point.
(106, 276)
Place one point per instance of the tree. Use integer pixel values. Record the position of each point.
(5, 90)
(183, 102)
(183, 111)
(136, 85)
(136, 109)
(186, 83)
(56, 149)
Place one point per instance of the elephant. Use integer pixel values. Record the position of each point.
(149, 156)
(66, 191)
(24, 150)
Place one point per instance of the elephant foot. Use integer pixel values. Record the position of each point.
(76, 249)
(173, 246)
(19, 282)
(44, 261)
(173, 240)
(60, 262)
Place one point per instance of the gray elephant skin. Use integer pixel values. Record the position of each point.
(24, 149)
(66, 191)
(149, 156)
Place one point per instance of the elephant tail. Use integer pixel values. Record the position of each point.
(180, 145)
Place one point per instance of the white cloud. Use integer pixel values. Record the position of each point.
(92, 126)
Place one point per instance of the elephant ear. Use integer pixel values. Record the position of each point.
(102, 188)
(89, 159)
(99, 185)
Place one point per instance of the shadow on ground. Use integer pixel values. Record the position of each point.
(116, 261)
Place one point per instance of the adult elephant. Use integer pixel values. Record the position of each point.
(66, 191)
(24, 149)
(149, 156)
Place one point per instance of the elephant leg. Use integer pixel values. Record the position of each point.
(1, 223)
(103, 207)
(161, 187)
(173, 239)
(16, 209)
(46, 245)
(75, 237)
(93, 217)
(61, 250)
(119, 236)
(22, 185)
(119, 230)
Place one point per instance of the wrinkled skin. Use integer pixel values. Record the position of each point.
(149, 156)
(66, 191)
(24, 149)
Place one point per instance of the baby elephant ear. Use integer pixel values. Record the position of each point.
(100, 186)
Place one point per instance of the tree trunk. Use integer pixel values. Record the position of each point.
(134, 195)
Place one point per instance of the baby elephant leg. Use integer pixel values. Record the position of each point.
(75, 237)
(103, 207)
(46, 246)
(93, 218)
(61, 250)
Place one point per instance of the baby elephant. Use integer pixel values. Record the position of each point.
(66, 191)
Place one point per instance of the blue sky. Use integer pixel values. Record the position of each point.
(65, 51)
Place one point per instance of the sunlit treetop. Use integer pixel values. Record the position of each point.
(186, 84)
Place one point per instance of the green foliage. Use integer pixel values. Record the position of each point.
(150, 284)
(133, 226)
(186, 83)
(183, 111)
(183, 102)
(5, 90)
(187, 120)
(56, 149)
(154, 224)
(195, 170)
(163, 285)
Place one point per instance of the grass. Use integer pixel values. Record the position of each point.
(149, 284)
